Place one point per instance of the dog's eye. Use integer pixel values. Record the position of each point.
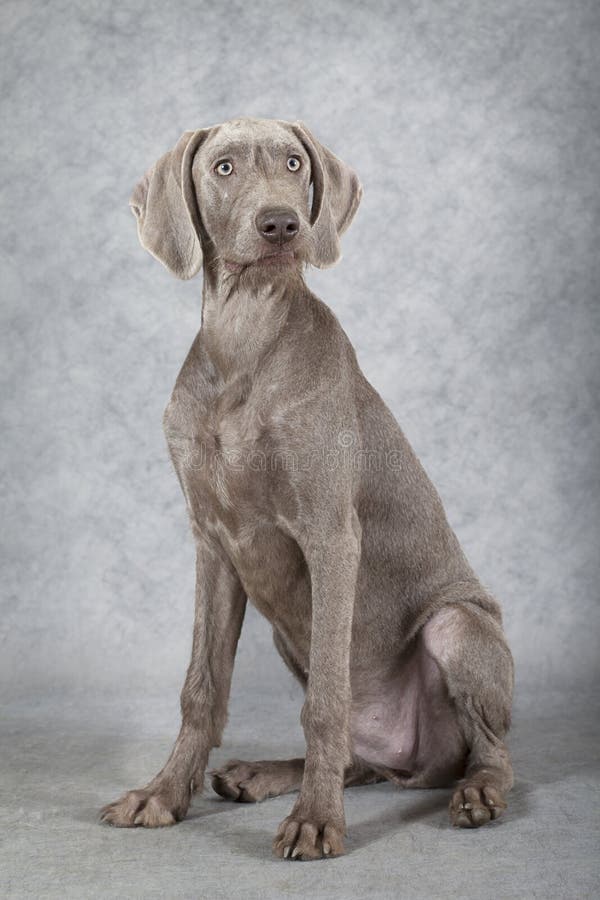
(224, 168)
(293, 163)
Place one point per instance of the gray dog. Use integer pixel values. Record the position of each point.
(305, 496)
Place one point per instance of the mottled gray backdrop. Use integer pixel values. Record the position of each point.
(469, 287)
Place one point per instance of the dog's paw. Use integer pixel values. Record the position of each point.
(146, 808)
(251, 782)
(473, 805)
(298, 838)
(245, 782)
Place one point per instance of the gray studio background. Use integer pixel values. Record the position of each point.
(469, 287)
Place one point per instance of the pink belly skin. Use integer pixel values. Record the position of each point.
(405, 722)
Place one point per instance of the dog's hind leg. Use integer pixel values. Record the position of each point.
(468, 644)
(249, 782)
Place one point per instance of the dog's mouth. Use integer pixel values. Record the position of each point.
(283, 257)
(279, 258)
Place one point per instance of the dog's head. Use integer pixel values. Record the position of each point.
(259, 194)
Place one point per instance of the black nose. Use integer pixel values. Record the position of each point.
(278, 226)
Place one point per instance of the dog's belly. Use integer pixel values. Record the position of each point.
(404, 721)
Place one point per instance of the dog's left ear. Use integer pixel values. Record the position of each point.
(336, 195)
(165, 205)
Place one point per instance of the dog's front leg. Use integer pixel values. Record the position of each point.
(316, 824)
(220, 605)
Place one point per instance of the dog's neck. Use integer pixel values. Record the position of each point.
(243, 314)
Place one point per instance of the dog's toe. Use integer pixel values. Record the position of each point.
(122, 812)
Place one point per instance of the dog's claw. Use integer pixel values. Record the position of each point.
(295, 852)
(326, 848)
(286, 852)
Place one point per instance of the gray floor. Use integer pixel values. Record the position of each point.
(60, 760)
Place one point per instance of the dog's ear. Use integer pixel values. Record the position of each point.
(336, 195)
(165, 206)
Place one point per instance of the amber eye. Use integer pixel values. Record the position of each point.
(293, 163)
(224, 168)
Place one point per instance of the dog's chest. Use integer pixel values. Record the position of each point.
(214, 438)
(220, 439)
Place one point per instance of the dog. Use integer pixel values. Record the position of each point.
(305, 496)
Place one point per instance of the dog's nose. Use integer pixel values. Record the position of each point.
(278, 226)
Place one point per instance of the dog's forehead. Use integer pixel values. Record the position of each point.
(251, 132)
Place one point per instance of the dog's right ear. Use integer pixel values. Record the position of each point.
(165, 206)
